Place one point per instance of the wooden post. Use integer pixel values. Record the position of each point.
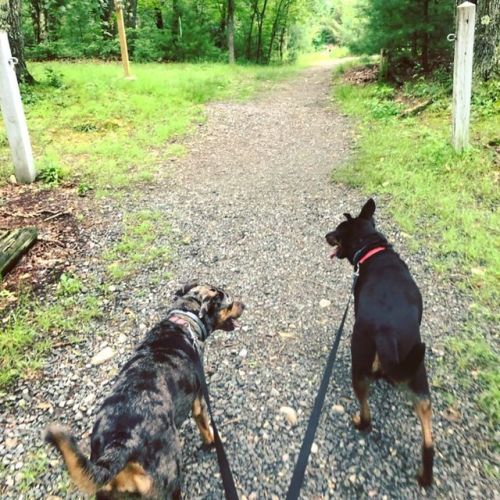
(13, 115)
(462, 74)
(123, 39)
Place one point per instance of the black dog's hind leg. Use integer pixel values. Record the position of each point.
(362, 356)
(363, 420)
(423, 408)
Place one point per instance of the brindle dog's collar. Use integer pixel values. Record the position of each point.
(189, 319)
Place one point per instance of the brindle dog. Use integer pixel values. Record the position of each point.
(388, 310)
(135, 446)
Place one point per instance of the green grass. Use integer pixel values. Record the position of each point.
(90, 125)
(140, 245)
(31, 328)
(444, 200)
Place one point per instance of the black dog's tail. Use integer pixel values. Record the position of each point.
(397, 370)
(87, 476)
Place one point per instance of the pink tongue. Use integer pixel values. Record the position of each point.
(334, 252)
(236, 324)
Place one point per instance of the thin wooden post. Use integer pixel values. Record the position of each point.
(123, 39)
(462, 74)
(13, 115)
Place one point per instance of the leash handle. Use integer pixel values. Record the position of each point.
(225, 469)
(305, 450)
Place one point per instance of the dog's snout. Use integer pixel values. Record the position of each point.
(330, 238)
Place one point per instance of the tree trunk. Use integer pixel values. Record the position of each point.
(52, 19)
(248, 49)
(282, 42)
(487, 40)
(425, 39)
(221, 34)
(11, 20)
(36, 11)
(260, 24)
(230, 30)
(159, 18)
(274, 30)
(108, 26)
(130, 10)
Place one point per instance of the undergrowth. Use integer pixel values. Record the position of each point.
(447, 200)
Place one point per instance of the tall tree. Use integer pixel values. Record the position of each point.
(11, 21)
(487, 43)
(230, 30)
(254, 10)
(261, 14)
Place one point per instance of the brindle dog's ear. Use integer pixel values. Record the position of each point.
(347, 216)
(207, 305)
(185, 289)
(211, 300)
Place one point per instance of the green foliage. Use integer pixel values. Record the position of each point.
(53, 79)
(69, 285)
(442, 200)
(83, 189)
(181, 30)
(413, 34)
(50, 173)
(486, 99)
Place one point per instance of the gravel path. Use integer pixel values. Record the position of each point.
(254, 201)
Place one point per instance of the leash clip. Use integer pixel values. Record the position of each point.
(355, 276)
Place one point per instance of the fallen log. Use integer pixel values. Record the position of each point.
(415, 110)
(13, 244)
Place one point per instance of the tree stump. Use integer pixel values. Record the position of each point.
(13, 244)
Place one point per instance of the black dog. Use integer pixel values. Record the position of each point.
(135, 447)
(388, 310)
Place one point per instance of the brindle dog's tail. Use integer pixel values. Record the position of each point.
(398, 371)
(87, 476)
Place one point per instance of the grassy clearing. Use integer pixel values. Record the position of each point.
(449, 201)
(92, 127)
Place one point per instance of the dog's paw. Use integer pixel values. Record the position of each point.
(208, 436)
(424, 480)
(206, 447)
(361, 425)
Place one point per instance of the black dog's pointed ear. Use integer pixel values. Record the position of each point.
(368, 210)
(185, 289)
(347, 216)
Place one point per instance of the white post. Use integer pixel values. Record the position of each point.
(462, 74)
(13, 115)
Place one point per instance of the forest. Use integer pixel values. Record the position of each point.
(411, 33)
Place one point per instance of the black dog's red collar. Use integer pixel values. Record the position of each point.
(369, 254)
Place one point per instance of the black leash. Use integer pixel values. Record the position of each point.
(225, 469)
(305, 450)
